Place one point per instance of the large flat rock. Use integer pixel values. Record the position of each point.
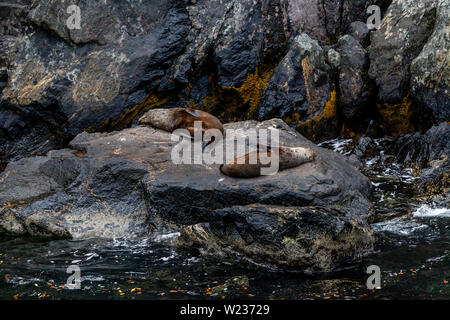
(124, 184)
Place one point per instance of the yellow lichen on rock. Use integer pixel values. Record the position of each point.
(310, 128)
(253, 87)
(397, 118)
(150, 101)
(228, 101)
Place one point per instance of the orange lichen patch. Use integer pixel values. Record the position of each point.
(312, 127)
(347, 132)
(397, 118)
(150, 101)
(228, 102)
(293, 119)
(80, 154)
(253, 87)
(307, 71)
(8, 206)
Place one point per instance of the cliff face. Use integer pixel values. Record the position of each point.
(306, 61)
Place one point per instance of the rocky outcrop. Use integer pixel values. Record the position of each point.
(125, 184)
(302, 91)
(428, 152)
(356, 91)
(325, 20)
(217, 55)
(411, 34)
(420, 149)
(430, 72)
(307, 238)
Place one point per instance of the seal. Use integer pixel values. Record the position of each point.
(288, 158)
(180, 118)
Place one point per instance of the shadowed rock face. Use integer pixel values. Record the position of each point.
(125, 184)
(430, 72)
(294, 238)
(409, 62)
(429, 151)
(356, 90)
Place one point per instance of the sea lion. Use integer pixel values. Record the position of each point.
(288, 158)
(180, 118)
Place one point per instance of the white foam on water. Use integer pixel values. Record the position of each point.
(401, 226)
(92, 278)
(169, 236)
(431, 211)
(338, 145)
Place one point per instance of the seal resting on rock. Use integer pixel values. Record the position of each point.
(180, 118)
(288, 158)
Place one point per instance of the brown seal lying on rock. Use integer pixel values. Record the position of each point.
(180, 118)
(287, 157)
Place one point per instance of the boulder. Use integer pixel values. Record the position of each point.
(360, 32)
(310, 239)
(356, 92)
(405, 30)
(428, 152)
(419, 149)
(430, 72)
(302, 91)
(124, 184)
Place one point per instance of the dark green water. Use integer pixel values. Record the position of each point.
(413, 254)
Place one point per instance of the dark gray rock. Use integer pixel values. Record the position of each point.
(404, 31)
(419, 149)
(301, 91)
(428, 152)
(124, 184)
(360, 32)
(127, 57)
(290, 238)
(430, 74)
(327, 20)
(356, 91)
(86, 86)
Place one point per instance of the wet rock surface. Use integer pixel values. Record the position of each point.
(292, 238)
(125, 184)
